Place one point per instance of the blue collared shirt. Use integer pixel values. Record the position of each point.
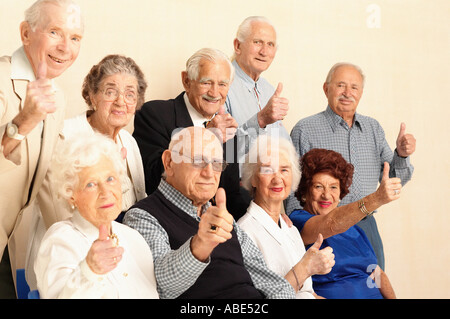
(242, 103)
(364, 145)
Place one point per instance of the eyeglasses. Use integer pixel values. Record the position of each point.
(112, 94)
(199, 162)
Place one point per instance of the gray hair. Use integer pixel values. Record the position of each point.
(84, 150)
(110, 65)
(213, 55)
(258, 154)
(338, 65)
(245, 28)
(33, 15)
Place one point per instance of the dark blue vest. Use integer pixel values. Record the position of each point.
(225, 277)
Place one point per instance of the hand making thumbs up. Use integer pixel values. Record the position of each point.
(389, 188)
(319, 261)
(224, 125)
(39, 101)
(104, 255)
(214, 228)
(406, 143)
(275, 110)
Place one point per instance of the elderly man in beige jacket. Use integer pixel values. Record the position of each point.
(32, 109)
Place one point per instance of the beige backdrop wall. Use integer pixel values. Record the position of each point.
(403, 47)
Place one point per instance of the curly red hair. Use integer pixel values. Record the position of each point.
(320, 160)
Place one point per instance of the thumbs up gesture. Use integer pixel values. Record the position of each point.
(214, 228)
(104, 255)
(224, 125)
(389, 188)
(406, 143)
(275, 110)
(39, 100)
(318, 261)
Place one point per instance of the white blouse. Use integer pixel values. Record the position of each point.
(62, 272)
(282, 247)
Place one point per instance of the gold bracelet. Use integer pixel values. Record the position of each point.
(296, 279)
(363, 209)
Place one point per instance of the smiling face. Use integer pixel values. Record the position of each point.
(55, 41)
(273, 180)
(255, 54)
(98, 195)
(197, 184)
(323, 194)
(111, 114)
(344, 91)
(209, 91)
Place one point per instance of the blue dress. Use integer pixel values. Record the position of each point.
(355, 261)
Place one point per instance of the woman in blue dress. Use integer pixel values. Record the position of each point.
(326, 178)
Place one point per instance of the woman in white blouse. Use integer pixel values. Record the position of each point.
(113, 90)
(91, 255)
(270, 170)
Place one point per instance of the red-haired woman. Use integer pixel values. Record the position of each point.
(326, 178)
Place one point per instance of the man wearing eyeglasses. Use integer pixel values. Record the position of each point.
(198, 249)
(206, 81)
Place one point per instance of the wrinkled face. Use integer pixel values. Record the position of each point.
(209, 91)
(197, 184)
(344, 90)
(273, 180)
(56, 40)
(323, 194)
(116, 100)
(256, 53)
(98, 195)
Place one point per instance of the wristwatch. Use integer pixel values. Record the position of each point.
(12, 131)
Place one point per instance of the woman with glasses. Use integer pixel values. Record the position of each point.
(113, 90)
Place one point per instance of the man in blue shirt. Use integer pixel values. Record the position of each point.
(360, 139)
(252, 101)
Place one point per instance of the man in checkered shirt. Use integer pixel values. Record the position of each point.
(360, 140)
(198, 249)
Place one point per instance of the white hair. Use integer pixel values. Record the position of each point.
(338, 65)
(245, 28)
(84, 150)
(213, 55)
(33, 15)
(259, 154)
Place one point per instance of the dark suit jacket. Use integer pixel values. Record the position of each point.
(153, 127)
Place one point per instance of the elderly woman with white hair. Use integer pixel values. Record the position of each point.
(270, 172)
(91, 255)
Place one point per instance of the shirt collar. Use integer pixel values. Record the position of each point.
(196, 117)
(86, 227)
(179, 200)
(336, 120)
(21, 67)
(248, 81)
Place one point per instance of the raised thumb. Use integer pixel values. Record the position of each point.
(222, 110)
(318, 242)
(402, 129)
(385, 171)
(221, 198)
(103, 233)
(279, 89)
(41, 70)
